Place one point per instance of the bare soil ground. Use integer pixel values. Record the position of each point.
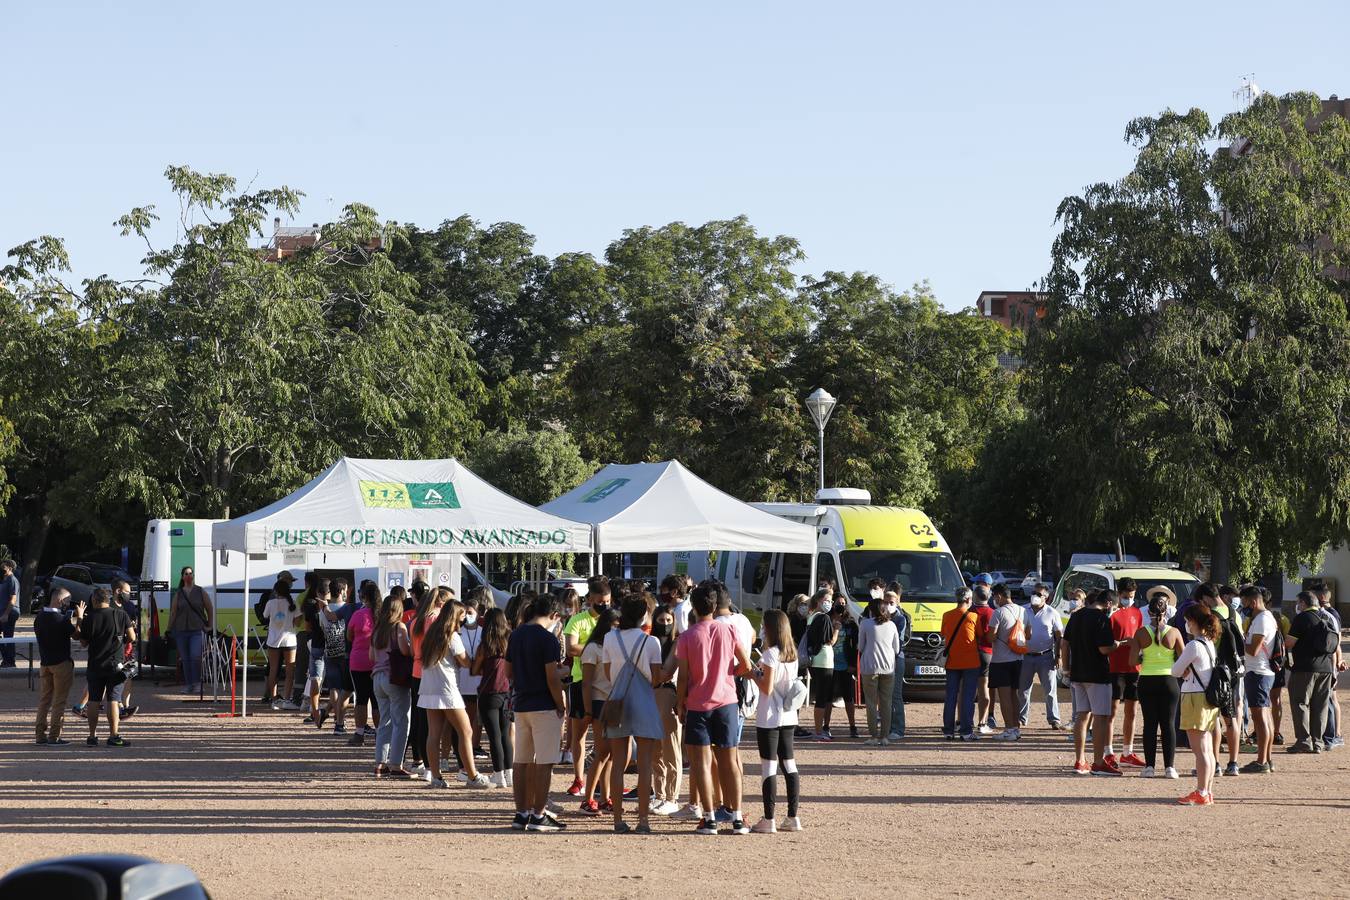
(264, 807)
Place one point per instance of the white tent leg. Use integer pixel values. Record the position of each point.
(215, 589)
(244, 638)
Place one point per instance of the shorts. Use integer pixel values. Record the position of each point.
(597, 707)
(822, 688)
(363, 685)
(986, 660)
(845, 685)
(538, 738)
(1196, 713)
(576, 700)
(1280, 680)
(1092, 697)
(1258, 689)
(718, 727)
(315, 671)
(1124, 685)
(99, 688)
(336, 675)
(1005, 674)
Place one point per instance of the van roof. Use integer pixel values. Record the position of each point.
(888, 528)
(1138, 570)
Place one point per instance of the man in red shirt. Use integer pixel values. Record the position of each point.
(1125, 621)
(984, 704)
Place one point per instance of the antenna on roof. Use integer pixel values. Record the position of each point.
(1246, 94)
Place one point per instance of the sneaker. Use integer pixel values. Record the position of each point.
(1255, 768)
(706, 826)
(1231, 769)
(1057, 726)
(1279, 738)
(290, 705)
(419, 770)
(870, 742)
(519, 822)
(738, 826)
(666, 808)
(510, 778)
(791, 823)
(1105, 768)
(884, 742)
(41, 742)
(1195, 798)
(1132, 759)
(339, 729)
(478, 781)
(58, 742)
(1299, 748)
(1147, 773)
(274, 704)
(687, 813)
(1335, 743)
(607, 806)
(118, 741)
(356, 740)
(970, 737)
(575, 789)
(631, 793)
(437, 782)
(1171, 772)
(566, 759)
(722, 815)
(823, 736)
(545, 823)
(128, 711)
(498, 779)
(462, 777)
(91, 741)
(1111, 760)
(1082, 768)
(589, 808)
(852, 732)
(985, 729)
(1009, 734)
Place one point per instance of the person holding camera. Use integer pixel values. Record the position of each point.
(104, 630)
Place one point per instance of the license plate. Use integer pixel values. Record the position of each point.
(929, 670)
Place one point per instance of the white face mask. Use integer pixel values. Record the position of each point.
(1037, 600)
(470, 618)
(877, 593)
(802, 608)
(1126, 602)
(826, 605)
(889, 609)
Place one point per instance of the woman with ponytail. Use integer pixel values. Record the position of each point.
(442, 653)
(390, 636)
(1195, 666)
(1158, 645)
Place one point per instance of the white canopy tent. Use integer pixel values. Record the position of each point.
(655, 507)
(399, 506)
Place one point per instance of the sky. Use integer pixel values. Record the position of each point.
(916, 142)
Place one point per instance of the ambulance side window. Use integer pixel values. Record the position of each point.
(825, 570)
(755, 574)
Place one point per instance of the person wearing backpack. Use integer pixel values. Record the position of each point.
(1229, 665)
(1259, 680)
(818, 644)
(904, 629)
(781, 695)
(1314, 644)
(1007, 635)
(1333, 737)
(1195, 666)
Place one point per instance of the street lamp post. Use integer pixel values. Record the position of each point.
(820, 404)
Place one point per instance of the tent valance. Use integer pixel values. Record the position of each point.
(399, 506)
(655, 507)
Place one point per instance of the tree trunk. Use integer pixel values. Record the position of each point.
(35, 541)
(1221, 549)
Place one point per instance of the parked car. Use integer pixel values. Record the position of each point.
(41, 585)
(1147, 575)
(82, 579)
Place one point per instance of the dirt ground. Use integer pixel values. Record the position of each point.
(266, 807)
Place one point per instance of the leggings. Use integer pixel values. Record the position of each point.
(496, 721)
(1159, 695)
(417, 740)
(775, 746)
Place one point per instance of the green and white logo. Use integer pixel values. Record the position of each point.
(409, 495)
(601, 491)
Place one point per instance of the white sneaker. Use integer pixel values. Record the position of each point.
(1009, 734)
(418, 771)
(510, 778)
(498, 779)
(792, 823)
(870, 742)
(687, 813)
(764, 826)
(290, 705)
(665, 808)
(1147, 772)
(885, 742)
(462, 776)
(985, 729)
(1170, 772)
(436, 782)
(479, 781)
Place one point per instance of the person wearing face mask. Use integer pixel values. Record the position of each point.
(984, 612)
(576, 633)
(189, 618)
(797, 612)
(819, 641)
(904, 627)
(878, 645)
(1041, 659)
(472, 635)
(1126, 620)
(1195, 666)
(669, 762)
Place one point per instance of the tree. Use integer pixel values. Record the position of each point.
(533, 466)
(1192, 365)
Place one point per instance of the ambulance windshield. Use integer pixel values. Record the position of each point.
(933, 576)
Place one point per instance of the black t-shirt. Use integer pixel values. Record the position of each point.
(1310, 629)
(819, 632)
(1089, 629)
(105, 629)
(53, 632)
(310, 610)
(531, 650)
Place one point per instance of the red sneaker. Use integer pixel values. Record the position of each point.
(1132, 759)
(589, 808)
(607, 806)
(1110, 759)
(1195, 798)
(1105, 768)
(1082, 768)
(577, 787)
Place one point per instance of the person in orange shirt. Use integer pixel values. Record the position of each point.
(963, 668)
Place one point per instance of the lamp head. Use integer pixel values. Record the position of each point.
(820, 404)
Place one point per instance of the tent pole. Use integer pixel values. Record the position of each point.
(244, 692)
(215, 588)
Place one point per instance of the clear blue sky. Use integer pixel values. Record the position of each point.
(929, 143)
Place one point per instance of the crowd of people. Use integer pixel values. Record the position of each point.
(626, 682)
(1207, 673)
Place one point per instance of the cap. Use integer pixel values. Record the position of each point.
(983, 578)
(284, 575)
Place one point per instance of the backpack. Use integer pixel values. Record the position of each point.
(334, 639)
(1277, 650)
(260, 608)
(1331, 638)
(1219, 688)
(1017, 635)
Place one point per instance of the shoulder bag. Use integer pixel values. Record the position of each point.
(947, 646)
(612, 713)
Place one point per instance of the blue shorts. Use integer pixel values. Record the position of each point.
(720, 727)
(315, 667)
(1258, 689)
(336, 675)
(597, 708)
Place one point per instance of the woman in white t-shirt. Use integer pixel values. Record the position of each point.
(633, 664)
(774, 725)
(1195, 666)
(438, 694)
(280, 613)
(594, 693)
(1259, 680)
